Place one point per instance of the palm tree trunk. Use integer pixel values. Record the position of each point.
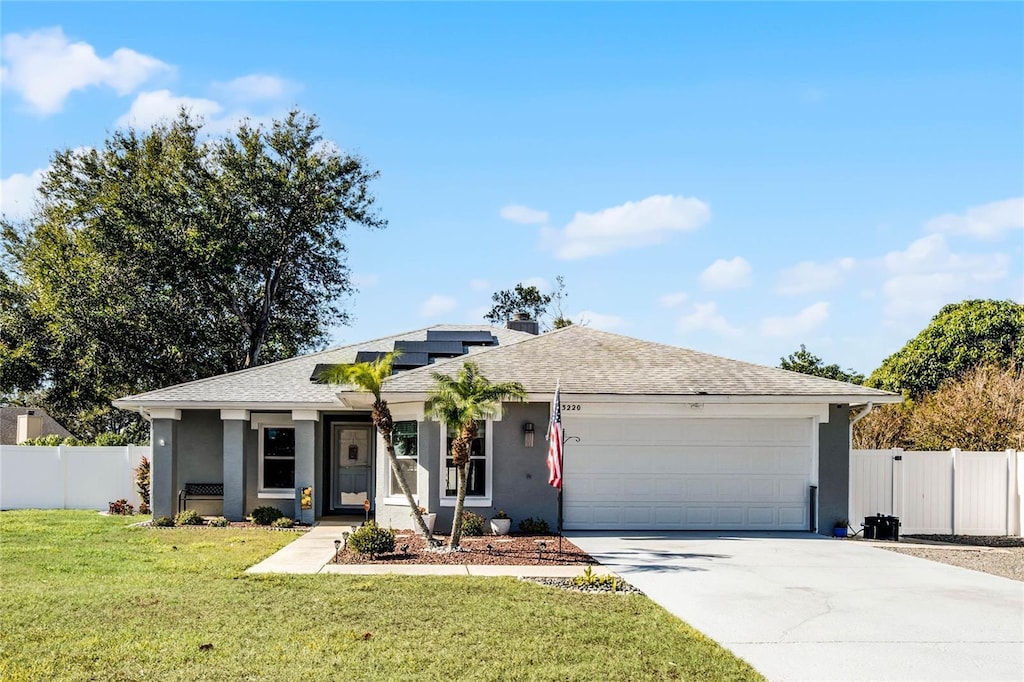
(385, 424)
(460, 502)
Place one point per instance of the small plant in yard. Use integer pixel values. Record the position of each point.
(189, 517)
(143, 483)
(472, 524)
(264, 516)
(121, 507)
(163, 522)
(532, 526)
(218, 522)
(144, 509)
(501, 514)
(283, 522)
(591, 579)
(372, 539)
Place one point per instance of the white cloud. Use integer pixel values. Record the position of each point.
(927, 275)
(673, 300)
(808, 319)
(365, 280)
(600, 320)
(18, 194)
(437, 305)
(150, 108)
(524, 214)
(727, 274)
(476, 315)
(631, 225)
(809, 277)
(44, 67)
(705, 316)
(985, 222)
(255, 87)
(479, 284)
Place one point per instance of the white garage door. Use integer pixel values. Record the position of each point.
(687, 474)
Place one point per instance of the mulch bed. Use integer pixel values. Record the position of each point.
(504, 550)
(974, 540)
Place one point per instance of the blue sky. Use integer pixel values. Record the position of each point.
(734, 178)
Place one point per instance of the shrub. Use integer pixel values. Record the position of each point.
(121, 507)
(472, 523)
(189, 517)
(51, 440)
(372, 539)
(283, 522)
(109, 438)
(71, 440)
(264, 516)
(163, 522)
(532, 526)
(143, 481)
(218, 522)
(144, 509)
(591, 579)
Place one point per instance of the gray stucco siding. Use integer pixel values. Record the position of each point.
(834, 468)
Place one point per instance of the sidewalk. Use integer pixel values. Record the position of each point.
(312, 552)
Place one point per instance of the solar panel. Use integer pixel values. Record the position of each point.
(469, 337)
(450, 348)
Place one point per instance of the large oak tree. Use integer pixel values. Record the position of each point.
(169, 255)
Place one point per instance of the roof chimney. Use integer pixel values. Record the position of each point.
(521, 322)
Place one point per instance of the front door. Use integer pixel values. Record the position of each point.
(352, 466)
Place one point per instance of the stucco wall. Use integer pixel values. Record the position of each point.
(518, 473)
(834, 468)
(201, 455)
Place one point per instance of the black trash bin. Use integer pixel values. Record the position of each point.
(879, 527)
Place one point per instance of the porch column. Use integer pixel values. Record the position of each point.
(163, 493)
(306, 453)
(235, 422)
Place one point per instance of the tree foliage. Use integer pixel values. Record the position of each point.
(805, 362)
(166, 256)
(521, 299)
(460, 402)
(959, 338)
(559, 320)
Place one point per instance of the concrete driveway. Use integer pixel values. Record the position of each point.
(798, 606)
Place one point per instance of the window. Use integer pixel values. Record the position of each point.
(277, 456)
(476, 472)
(404, 439)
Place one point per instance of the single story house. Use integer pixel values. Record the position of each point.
(658, 437)
(19, 424)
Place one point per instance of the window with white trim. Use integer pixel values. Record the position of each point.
(478, 470)
(277, 458)
(404, 438)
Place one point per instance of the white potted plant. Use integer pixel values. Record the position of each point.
(501, 523)
(428, 518)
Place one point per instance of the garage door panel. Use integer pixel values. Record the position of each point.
(715, 474)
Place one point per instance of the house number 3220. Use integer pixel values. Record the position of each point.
(572, 407)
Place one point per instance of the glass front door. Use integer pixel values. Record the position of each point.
(353, 466)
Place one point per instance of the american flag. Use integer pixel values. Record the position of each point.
(555, 442)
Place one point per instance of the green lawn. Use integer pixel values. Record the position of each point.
(84, 596)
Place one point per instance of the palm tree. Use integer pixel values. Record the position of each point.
(460, 403)
(368, 377)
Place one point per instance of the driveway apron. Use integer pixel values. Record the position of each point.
(799, 606)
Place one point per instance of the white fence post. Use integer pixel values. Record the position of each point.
(62, 457)
(896, 498)
(955, 521)
(1012, 494)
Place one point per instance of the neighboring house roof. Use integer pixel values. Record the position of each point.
(9, 424)
(590, 361)
(287, 382)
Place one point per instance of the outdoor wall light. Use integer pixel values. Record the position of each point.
(528, 434)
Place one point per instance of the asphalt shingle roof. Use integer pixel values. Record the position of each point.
(288, 381)
(589, 361)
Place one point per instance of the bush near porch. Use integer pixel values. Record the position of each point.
(86, 596)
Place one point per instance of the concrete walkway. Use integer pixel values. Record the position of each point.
(798, 606)
(311, 553)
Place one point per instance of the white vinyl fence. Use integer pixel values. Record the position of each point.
(950, 492)
(68, 477)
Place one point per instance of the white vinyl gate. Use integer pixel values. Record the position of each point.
(949, 492)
